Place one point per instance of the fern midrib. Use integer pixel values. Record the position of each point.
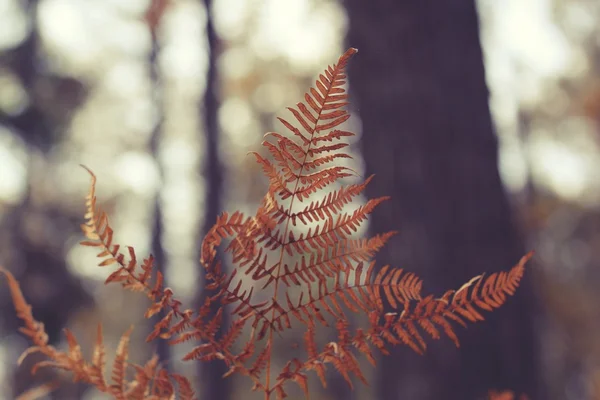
(334, 75)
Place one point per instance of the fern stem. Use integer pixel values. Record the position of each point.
(287, 225)
(285, 232)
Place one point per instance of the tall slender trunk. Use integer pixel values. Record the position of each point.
(157, 228)
(213, 385)
(37, 229)
(428, 136)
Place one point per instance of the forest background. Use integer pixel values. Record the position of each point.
(480, 119)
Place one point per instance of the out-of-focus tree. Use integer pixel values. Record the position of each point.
(212, 383)
(37, 228)
(153, 16)
(422, 98)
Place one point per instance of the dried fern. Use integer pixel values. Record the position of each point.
(301, 247)
(150, 381)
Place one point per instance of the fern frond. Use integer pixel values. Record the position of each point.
(314, 362)
(261, 362)
(311, 248)
(291, 372)
(331, 205)
(33, 329)
(143, 377)
(224, 227)
(185, 392)
(342, 256)
(73, 361)
(120, 365)
(366, 293)
(278, 183)
(463, 305)
(328, 233)
(99, 234)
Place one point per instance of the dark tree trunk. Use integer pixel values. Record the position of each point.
(37, 230)
(419, 85)
(157, 229)
(213, 385)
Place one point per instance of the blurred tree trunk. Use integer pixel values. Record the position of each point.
(153, 17)
(213, 386)
(38, 228)
(419, 84)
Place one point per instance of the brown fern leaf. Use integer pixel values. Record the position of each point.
(143, 377)
(367, 292)
(291, 372)
(129, 273)
(100, 234)
(98, 361)
(311, 248)
(33, 329)
(139, 388)
(434, 315)
(120, 365)
(134, 277)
